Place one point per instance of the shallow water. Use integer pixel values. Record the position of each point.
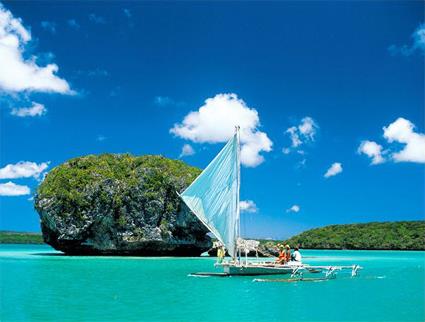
(37, 284)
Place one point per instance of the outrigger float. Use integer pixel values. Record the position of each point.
(290, 270)
(302, 272)
(214, 198)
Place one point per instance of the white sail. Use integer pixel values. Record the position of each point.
(214, 196)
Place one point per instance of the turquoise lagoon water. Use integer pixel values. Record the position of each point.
(38, 284)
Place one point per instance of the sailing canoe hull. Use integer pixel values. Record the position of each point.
(255, 270)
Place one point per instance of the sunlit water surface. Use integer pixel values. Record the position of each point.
(38, 284)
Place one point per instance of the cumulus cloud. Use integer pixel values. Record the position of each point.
(187, 150)
(19, 74)
(403, 131)
(334, 169)
(49, 26)
(248, 206)
(308, 128)
(418, 43)
(301, 134)
(294, 208)
(215, 122)
(23, 169)
(11, 189)
(372, 150)
(36, 109)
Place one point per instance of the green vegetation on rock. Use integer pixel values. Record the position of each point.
(11, 237)
(403, 235)
(69, 181)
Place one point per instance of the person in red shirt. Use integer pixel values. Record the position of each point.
(282, 255)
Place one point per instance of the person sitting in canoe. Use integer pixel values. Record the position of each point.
(282, 254)
(288, 253)
(221, 252)
(297, 255)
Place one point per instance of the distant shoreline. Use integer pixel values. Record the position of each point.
(16, 237)
(399, 235)
(396, 236)
(301, 249)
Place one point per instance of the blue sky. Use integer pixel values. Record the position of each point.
(322, 87)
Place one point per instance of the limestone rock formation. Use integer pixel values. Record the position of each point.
(120, 205)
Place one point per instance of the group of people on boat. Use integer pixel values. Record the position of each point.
(286, 256)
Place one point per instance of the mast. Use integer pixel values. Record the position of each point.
(238, 164)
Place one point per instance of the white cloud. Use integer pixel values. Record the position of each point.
(333, 170)
(49, 26)
(308, 128)
(23, 169)
(11, 189)
(97, 72)
(115, 91)
(215, 122)
(295, 137)
(127, 13)
(248, 206)
(19, 74)
(97, 19)
(294, 208)
(36, 109)
(187, 150)
(101, 138)
(163, 100)
(302, 163)
(301, 134)
(73, 24)
(372, 150)
(403, 131)
(418, 43)
(419, 37)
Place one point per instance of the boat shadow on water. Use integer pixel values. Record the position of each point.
(49, 254)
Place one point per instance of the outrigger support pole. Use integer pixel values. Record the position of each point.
(355, 270)
(296, 272)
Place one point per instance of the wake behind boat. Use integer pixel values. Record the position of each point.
(214, 198)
